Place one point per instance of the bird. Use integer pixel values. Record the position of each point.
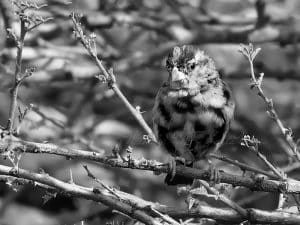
(193, 109)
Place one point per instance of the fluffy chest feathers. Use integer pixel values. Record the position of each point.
(192, 126)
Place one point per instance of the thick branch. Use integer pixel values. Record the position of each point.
(231, 216)
(82, 192)
(223, 215)
(256, 184)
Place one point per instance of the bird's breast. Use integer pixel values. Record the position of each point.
(184, 126)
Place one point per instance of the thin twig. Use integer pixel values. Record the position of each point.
(224, 199)
(109, 189)
(270, 165)
(252, 144)
(129, 201)
(250, 53)
(281, 175)
(62, 126)
(289, 168)
(19, 76)
(243, 166)
(109, 76)
(16, 82)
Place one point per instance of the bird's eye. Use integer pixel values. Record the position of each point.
(212, 81)
(192, 66)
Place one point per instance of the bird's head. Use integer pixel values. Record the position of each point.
(190, 69)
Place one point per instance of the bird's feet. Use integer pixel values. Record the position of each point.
(214, 174)
(172, 178)
(172, 166)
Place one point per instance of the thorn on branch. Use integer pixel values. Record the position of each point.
(48, 196)
(12, 35)
(23, 113)
(289, 132)
(111, 78)
(271, 113)
(260, 79)
(71, 181)
(28, 73)
(270, 102)
(14, 184)
(109, 189)
(138, 109)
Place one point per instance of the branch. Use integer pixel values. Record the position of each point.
(288, 186)
(16, 82)
(27, 23)
(100, 195)
(131, 199)
(250, 53)
(230, 216)
(244, 166)
(89, 44)
(224, 199)
(94, 194)
(252, 145)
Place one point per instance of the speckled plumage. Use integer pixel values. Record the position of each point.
(194, 108)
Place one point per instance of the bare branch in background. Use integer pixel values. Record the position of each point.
(256, 82)
(89, 44)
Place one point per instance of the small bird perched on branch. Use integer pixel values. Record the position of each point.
(193, 108)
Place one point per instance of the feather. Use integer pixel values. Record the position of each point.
(191, 119)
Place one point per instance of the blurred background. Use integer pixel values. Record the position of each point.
(71, 108)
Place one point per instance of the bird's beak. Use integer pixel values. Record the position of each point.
(177, 75)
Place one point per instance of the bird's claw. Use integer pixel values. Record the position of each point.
(172, 165)
(214, 175)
